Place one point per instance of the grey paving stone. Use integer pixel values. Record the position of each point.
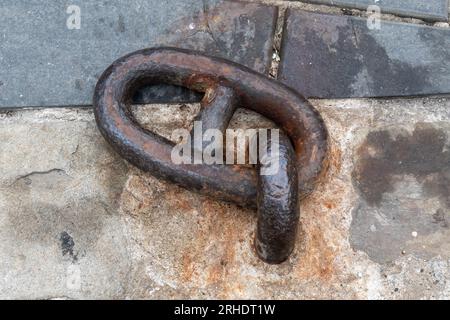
(328, 56)
(434, 10)
(45, 63)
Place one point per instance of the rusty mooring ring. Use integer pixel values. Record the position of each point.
(245, 87)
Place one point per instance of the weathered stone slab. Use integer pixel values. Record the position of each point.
(76, 222)
(434, 10)
(47, 61)
(331, 56)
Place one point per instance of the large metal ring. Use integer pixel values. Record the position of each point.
(304, 151)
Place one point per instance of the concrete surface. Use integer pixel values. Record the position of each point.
(76, 221)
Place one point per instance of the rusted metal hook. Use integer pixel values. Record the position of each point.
(303, 146)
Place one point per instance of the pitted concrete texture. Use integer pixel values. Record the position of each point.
(76, 221)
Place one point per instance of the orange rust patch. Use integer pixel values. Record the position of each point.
(334, 158)
(317, 257)
(187, 267)
(213, 249)
(177, 199)
(316, 253)
(330, 205)
(331, 165)
(215, 273)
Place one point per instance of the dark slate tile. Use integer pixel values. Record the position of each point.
(329, 56)
(44, 63)
(434, 10)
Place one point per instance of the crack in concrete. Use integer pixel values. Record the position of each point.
(40, 173)
(33, 173)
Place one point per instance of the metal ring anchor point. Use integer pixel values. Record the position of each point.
(302, 145)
